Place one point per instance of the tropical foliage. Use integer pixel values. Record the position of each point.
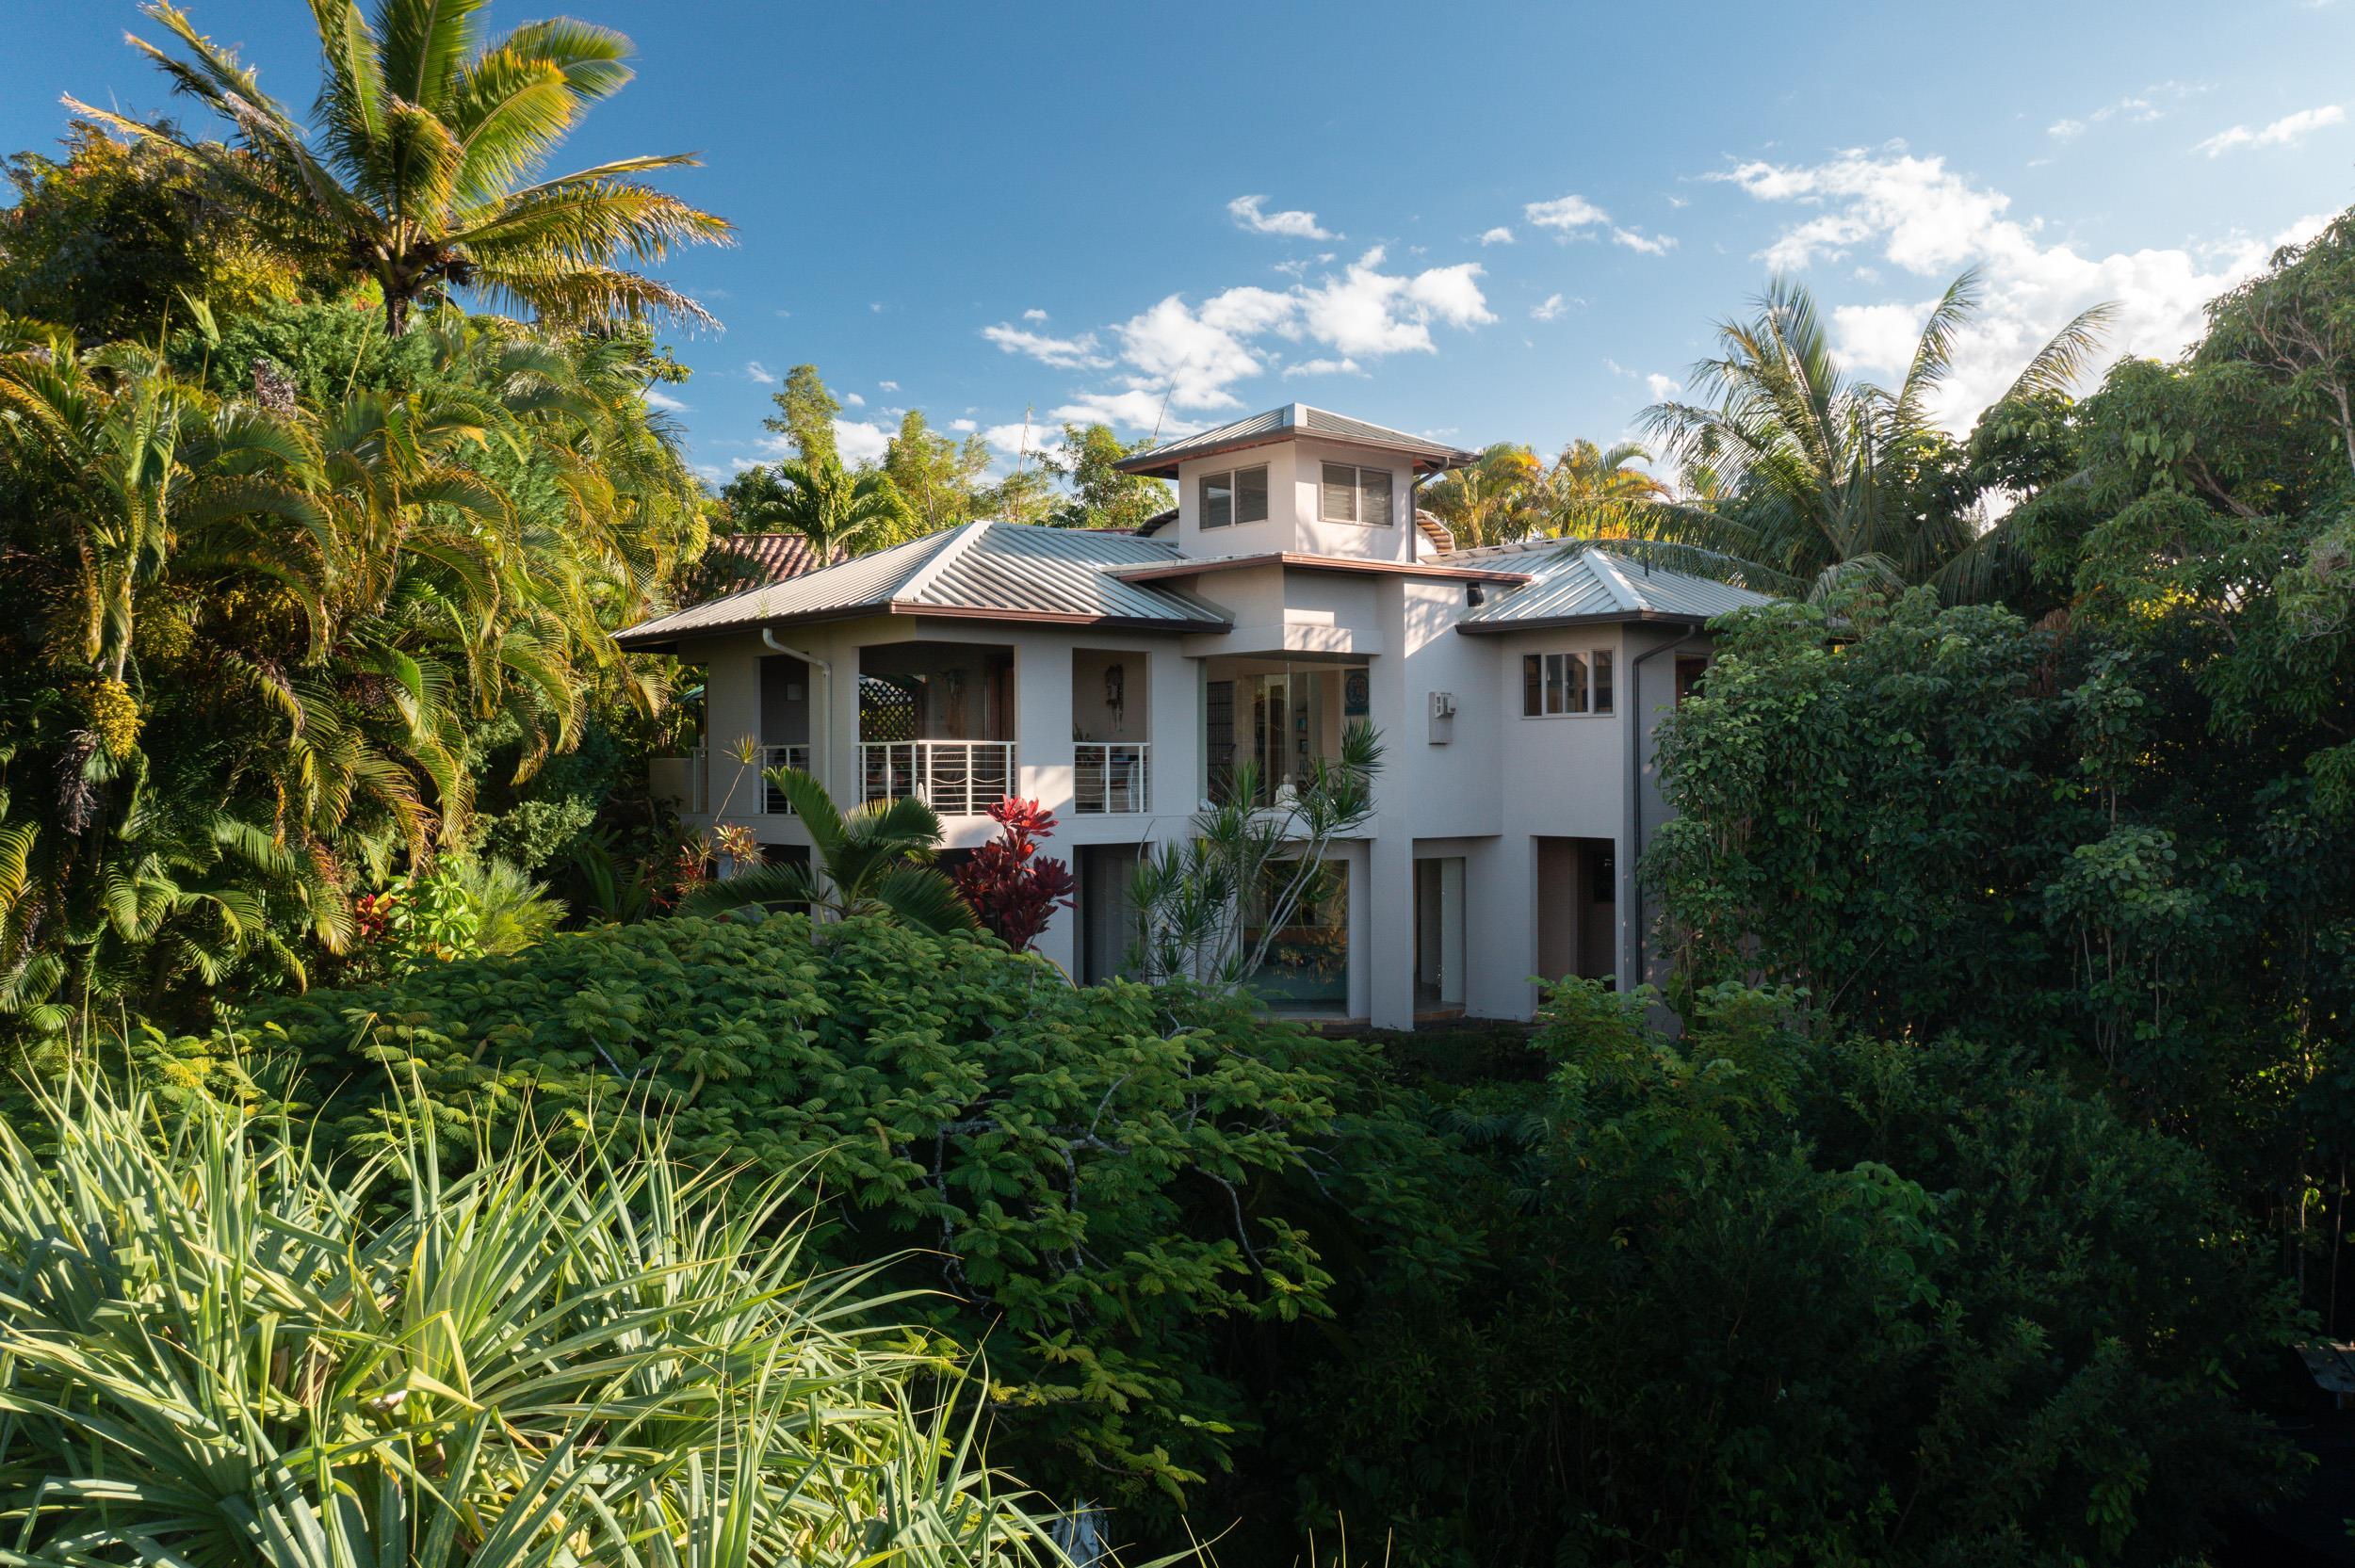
(1804, 477)
(1762, 1295)
(873, 859)
(1108, 1184)
(411, 174)
(1254, 859)
(216, 1349)
(261, 637)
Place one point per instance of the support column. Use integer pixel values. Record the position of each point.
(1382, 947)
(1044, 764)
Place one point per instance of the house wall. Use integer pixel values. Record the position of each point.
(1092, 716)
(1522, 803)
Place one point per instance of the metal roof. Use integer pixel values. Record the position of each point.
(1001, 571)
(1287, 423)
(1586, 584)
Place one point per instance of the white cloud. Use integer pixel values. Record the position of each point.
(755, 371)
(886, 387)
(859, 441)
(1651, 245)
(855, 400)
(1367, 311)
(1196, 354)
(1663, 387)
(1034, 314)
(1017, 440)
(1924, 219)
(2137, 109)
(1566, 213)
(1064, 353)
(657, 399)
(1245, 211)
(963, 427)
(2288, 131)
(1546, 311)
(1136, 408)
(1498, 235)
(1177, 359)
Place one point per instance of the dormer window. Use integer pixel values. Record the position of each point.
(1238, 496)
(1354, 495)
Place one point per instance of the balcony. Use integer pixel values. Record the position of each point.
(1110, 778)
(773, 800)
(956, 778)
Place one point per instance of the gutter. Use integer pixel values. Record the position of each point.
(1630, 899)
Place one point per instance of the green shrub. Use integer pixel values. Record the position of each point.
(214, 1349)
(1756, 1298)
(1111, 1182)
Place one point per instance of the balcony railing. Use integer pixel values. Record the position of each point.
(1109, 777)
(956, 778)
(773, 800)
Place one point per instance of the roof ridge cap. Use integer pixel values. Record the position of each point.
(960, 539)
(1613, 579)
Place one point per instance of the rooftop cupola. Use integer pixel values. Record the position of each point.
(1297, 481)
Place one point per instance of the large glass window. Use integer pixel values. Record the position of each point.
(1351, 494)
(1306, 968)
(1556, 684)
(1239, 495)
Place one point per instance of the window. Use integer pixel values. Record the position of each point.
(1237, 497)
(1691, 671)
(1354, 495)
(1554, 685)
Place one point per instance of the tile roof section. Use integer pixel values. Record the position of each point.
(776, 556)
(1002, 571)
(1285, 424)
(1592, 585)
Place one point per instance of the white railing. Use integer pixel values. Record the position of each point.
(773, 800)
(956, 778)
(1110, 777)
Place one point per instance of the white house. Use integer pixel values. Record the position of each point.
(1115, 677)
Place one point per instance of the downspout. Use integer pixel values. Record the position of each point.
(823, 751)
(1630, 899)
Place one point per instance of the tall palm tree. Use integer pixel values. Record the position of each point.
(1594, 490)
(831, 506)
(413, 174)
(1493, 500)
(1822, 477)
(876, 859)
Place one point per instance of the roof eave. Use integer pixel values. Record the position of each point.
(1606, 618)
(1151, 467)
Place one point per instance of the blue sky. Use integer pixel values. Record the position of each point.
(1186, 214)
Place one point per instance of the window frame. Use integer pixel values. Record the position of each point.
(1231, 479)
(1358, 472)
(1551, 669)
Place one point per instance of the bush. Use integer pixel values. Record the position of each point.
(220, 1350)
(1760, 1299)
(1105, 1176)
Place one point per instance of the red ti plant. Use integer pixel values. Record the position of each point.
(1012, 888)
